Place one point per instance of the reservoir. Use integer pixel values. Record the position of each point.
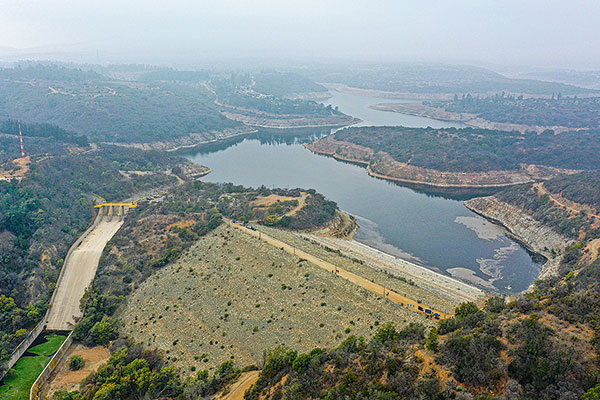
(436, 232)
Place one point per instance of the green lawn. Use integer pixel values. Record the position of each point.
(20, 378)
(52, 344)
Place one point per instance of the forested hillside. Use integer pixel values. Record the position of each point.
(42, 214)
(149, 105)
(475, 150)
(281, 84)
(570, 112)
(241, 91)
(108, 110)
(432, 79)
(568, 204)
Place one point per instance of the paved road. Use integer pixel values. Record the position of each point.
(80, 270)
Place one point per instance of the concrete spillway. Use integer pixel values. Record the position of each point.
(79, 271)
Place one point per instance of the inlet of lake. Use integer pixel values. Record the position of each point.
(437, 232)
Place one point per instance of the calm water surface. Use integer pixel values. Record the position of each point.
(439, 233)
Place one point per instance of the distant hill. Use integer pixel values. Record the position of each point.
(588, 79)
(437, 79)
(284, 84)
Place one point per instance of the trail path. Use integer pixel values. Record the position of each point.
(301, 202)
(594, 247)
(238, 389)
(572, 206)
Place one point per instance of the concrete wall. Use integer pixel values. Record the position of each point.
(35, 332)
(36, 388)
(22, 347)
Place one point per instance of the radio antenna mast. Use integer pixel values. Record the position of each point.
(21, 140)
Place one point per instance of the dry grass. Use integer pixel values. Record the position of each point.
(266, 201)
(233, 296)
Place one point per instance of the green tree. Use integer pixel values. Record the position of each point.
(103, 331)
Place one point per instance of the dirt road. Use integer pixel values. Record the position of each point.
(571, 206)
(238, 389)
(349, 276)
(80, 270)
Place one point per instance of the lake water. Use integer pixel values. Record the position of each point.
(437, 232)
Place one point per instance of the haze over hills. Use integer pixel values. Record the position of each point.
(335, 200)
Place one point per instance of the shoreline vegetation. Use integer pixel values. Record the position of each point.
(419, 177)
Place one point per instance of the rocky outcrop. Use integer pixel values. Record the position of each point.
(537, 237)
(341, 226)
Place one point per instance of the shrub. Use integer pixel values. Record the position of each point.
(104, 331)
(473, 357)
(64, 395)
(76, 362)
(412, 332)
(432, 340)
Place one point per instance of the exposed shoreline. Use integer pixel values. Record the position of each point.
(473, 189)
(438, 284)
(190, 141)
(536, 238)
(342, 88)
(471, 120)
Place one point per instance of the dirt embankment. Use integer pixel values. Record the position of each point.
(382, 165)
(237, 389)
(342, 226)
(66, 379)
(402, 276)
(536, 236)
(21, 167)
(422, 110)
(232, 294)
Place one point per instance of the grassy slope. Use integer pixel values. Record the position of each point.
(184, 309)
(18, 382)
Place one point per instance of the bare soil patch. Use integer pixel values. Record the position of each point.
(65, 379)
(182, 224)
(266, 201)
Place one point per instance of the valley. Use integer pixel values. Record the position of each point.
(420, 250)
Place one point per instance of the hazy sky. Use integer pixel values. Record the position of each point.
(562, 33)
